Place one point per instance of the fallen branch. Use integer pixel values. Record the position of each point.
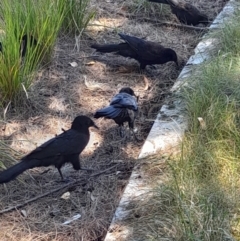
(36, 198)
(52, 191)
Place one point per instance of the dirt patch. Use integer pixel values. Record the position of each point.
(60, 93)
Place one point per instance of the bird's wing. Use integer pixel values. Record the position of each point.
(159, 1)
(182, 5)
(146, 50)
(151, 51)
(189, 8)
(135, 43)
(193, 10)
(108, 112)
(67, 143)
(124, 100)
(172, 3)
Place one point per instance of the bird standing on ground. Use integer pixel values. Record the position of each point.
(145, 52)
(123, 108)
(64, 148)
(185, 12)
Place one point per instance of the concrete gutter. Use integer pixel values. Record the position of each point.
(168, 129)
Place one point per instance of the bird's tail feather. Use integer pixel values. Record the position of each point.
(14, 171)
(107, 48)
(108, 112)
(160, 1)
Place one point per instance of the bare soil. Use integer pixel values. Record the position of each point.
(61, 92)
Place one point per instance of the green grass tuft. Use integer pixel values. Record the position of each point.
(41, 20)
(77, 16)
(205, 179)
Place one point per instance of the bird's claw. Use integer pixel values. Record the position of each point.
(65, 180)
(122, 132)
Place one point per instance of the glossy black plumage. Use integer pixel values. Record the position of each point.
(123, 108)
(64, 148)
(185, 12)
(145, 52)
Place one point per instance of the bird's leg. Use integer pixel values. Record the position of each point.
(60, 172)
(131, 125)
(141, 70)
(121, 131)
(142, 67)
(62, 179)
(134, 134)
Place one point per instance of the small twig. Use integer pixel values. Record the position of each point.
(91, 56)
(5, 110)
(99, 173)
(50, 192)
(184, 26)
(150, 120)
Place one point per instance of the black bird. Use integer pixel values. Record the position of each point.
(145, 52)
(185, 12)
(26, 40)
(123, 108)
(62, 149)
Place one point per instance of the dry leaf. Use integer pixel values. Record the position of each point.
(146, 82)
(75, 217)
(73, 64)
(90, 63)
(24, 213)
(66, 195)
(93, 198)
